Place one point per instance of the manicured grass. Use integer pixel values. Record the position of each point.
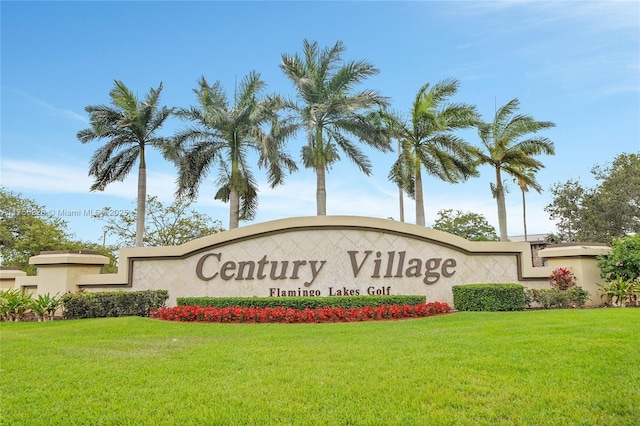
(529, 368)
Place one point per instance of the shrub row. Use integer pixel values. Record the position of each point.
(289, 315)
(546, 298)
(345, 302)
(112, 303)
(489, 297)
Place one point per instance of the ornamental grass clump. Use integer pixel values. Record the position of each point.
(620, 292)
(44, 306)
(14, 305)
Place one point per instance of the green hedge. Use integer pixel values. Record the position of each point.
(112, 303)
(346, 302)
(489, 297)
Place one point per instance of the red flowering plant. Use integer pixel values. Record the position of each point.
(289, 315)
(562, 279)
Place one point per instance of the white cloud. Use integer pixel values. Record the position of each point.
(599, 15)
(53, 110)
(38, 177)
(34, 176)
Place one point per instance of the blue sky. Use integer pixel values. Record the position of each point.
(575, 63)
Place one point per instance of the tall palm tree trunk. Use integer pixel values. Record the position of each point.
(321, 191)
(524, 214)
(502, 208)
(400, 191)
(321, 171)
(142, 198)
(234, 208)
(234, 195)
(419, 197)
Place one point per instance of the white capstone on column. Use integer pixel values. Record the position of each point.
(58, 271)
(8, 276)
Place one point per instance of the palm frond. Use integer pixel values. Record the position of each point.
(443, 90)
(525, 177)
(535, 146)
(504, 114)
(124, 99)
(349, 75)
(327, 60)
(195, 166)
(402, 173)
(116, 168)
(354, 153)
(157, 119)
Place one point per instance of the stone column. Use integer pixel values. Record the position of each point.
(581, 259)
(58, 271)
(8, 276)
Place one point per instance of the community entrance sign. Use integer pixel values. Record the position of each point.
(323, 256)
(331, 256)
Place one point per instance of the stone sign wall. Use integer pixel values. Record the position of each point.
(321, 256)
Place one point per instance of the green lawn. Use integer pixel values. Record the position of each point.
(536, 367)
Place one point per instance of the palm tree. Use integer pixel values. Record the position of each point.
(392, 122)
(331, 113)
(224, 135)
(400, 190)
(428, 142)
(524, 188)
(506, 148)
(128, 127)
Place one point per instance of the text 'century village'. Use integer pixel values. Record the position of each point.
(392, 264)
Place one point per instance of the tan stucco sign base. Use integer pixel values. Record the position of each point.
(315, 256)
(327, 256)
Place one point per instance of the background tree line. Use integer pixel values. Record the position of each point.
(609, 210)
